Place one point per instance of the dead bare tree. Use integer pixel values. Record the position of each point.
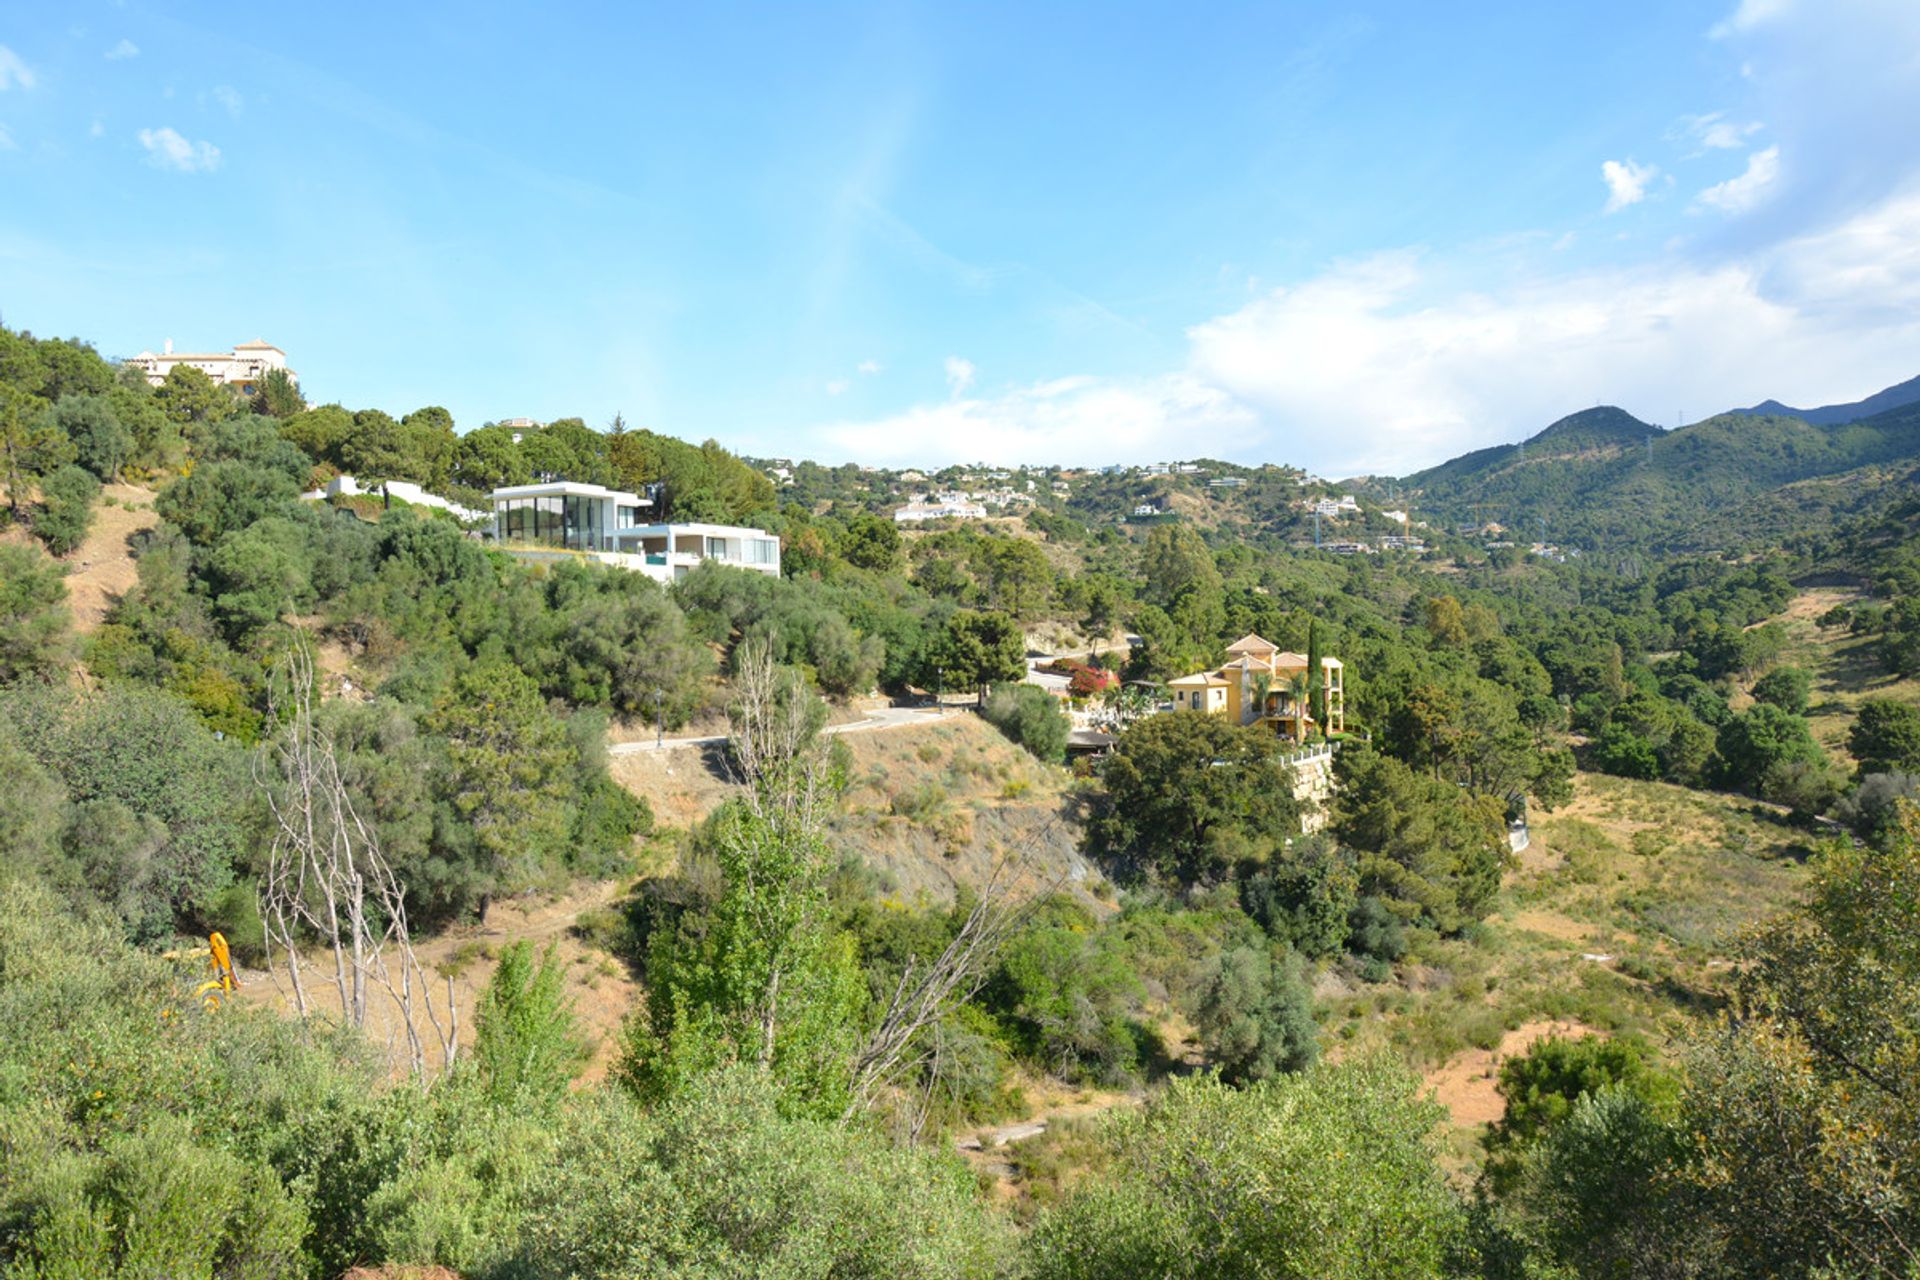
(328, 883)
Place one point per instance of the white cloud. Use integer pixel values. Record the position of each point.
(1066, 418)
(1713, 132)
(1749, 14)
(1626, 182)
(867, 368)
(1737, 195)
(6, 140)
(98, 129)
(960, 373)
(1383, 365)
(166, 149)
(837, 386)
(228, 97)
(125, 49)
(13, 72)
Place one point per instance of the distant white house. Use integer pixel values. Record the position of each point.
(405, 490)
(562, 519)
(1227, 482)
(1335, 506)
(945, 506)
(244, 367)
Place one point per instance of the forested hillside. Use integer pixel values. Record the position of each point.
(1600, 963)
(1601, 479)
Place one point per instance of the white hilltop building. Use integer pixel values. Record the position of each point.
(561, 519)
(243, 367)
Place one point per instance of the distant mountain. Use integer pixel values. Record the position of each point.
(1593, 479)
(1832, 415)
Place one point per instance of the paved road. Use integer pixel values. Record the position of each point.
(879, 718)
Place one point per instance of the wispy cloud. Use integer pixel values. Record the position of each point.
(166, 149)
(6, 140)
(122, 51)
(837, 386)
(229, 98)
(15, 74)
(1713, 132)
(960, 373)
(867, 368)
(1738, 195)
(1747, 15)
(1626, 182)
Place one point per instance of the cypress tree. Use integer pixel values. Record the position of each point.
(1316, 680)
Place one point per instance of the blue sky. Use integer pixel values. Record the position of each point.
(1354, 237)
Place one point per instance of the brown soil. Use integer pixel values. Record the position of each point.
(1465, 1086)
(101, 569)
(601, 989)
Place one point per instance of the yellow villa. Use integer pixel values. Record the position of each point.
(1260, 683)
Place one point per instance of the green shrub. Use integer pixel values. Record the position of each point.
(1030, 716)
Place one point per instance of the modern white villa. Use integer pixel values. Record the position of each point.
(561, 518)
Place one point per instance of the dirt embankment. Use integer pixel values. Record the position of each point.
(101, 569)
(601, 988)
(928, 807)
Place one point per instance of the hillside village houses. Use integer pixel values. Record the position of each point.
(244, 367)
(1342, 505)
(561, 518)
(1260, 683)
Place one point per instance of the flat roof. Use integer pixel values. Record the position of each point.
(567, 488)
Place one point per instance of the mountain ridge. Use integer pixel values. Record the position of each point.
(1833, 415)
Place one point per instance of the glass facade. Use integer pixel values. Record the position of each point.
(552, 522)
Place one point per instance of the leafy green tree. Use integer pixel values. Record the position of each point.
(729, 1183)
(509, 769)
(147, 752)
(1017, 574)
(1330, 1174)
(526, 1044)
(1305, 897)
(100, 443)
(1758, 740)
(489, 458)
(431, 443)
(1030, 716)
(1885, 737)
(1174, 561)
(1625, 754)
(321, 433)
(1785, 687)
(189, 397)
(378, 448)
(1193, 796)
(1427, 844)
(31, 445)
(66, 508)
(978, 649)
(1066, 994)
(1255, 1016)
(871, 542)
(758, 977)
(223, 497)
(1541, 1086)
(279, 396)
(36, 636)
(619, 642)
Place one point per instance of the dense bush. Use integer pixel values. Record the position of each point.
(1330, 1173)
(1030, 716)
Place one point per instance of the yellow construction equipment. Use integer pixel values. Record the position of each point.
(224, 982)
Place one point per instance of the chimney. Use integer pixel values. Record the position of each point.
(169, 350)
